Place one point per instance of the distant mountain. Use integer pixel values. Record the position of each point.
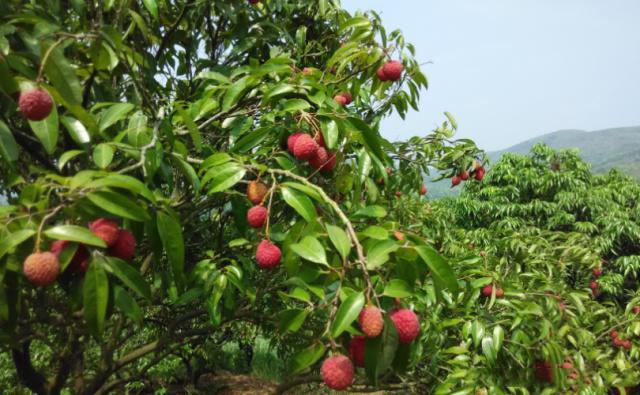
(604, 149)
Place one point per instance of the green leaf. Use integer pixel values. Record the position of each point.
(370, 138)
(340, 240)
(47, 130)
(152, 7)
(300, 202)
(397, 288)
(488, 349)
(371, 211)
(375, 232)
(226, 178)
(235, 92)
(128, 305)
(312, 193)
(451, 119)
(278, 90)
(380, 351)
(440, 268)
(63, 76)
(103, 155)
(75, 233)
(14, 239)
(310, 249)
(76, 130)
(378, 253)
(67, 156)
(307, 357)
(498, 337)
(192, 127)
(170, 233)
(114, 114)
(8, 146)
(125, 182)
(347, 313)
(250, 140)
(291, 320)
(128, 275)
(330, 133)
(118, 204)
(294, 105)
(95, 296)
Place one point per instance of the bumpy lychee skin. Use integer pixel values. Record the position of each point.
(256, 191)
(593, 285)
(35, 104)
(305, 147)
(398, 235)
(407, 325)
(381, 75)
(392, 70)
(455, 180)
(337, 372)
(464, 175)
(347, 96)
(487, 290)
(291, 140)
(80, 260)
(423, 190)
(543, 371)
(106, 229)
(268, 255)
(614, 334)
(307, 70)
(479, 175)
(320, 159)
(41, 268)
(319, 139)
(499, 292)
(371, 322)
(331, 163)
(341, 100)
(597, 272)
(124, 247)
(356, 350)
(257, 216)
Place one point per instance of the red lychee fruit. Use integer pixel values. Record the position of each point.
(305, 147)
(331, 163)
(543, 371)
(41, 268)
(356, 350)
(487, 290)
(479, 174)
(106, 229)
(636, 309)
(627, 344)
(307, 70)
(319, 139)
(618, 342)
(407, 325)
(567, 365)
(257, 216)
(254, 1)
(562, 307)
(371, 322)
(124, 247)
(464, 175)
(320, 159)
(593, 285)
(597, 272)
(392, 70)
(614, 334)
(499, 292)
(291, 140)
(256, 191)
(455, 180)
(423, 189)
(268, 255)
(341, 100)
(347, 96)
(80, 260)
(381, 75)
(398, 235)
(337, 372)
(398, 193)
(35, 104)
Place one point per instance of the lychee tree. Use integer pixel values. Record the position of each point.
(175, 169)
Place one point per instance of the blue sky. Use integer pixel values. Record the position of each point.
(509, 70)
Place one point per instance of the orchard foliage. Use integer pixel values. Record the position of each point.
(163, 113)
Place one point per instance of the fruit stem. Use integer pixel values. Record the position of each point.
(273, 188)
(41, 226)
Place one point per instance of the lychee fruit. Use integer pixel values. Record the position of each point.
(636, 309)
(356, 350)
(307, 70)
(597, 272)
(80, 260)
(257, 216)
(268, 255)
(627, 344)
(41, 268)
(398, 193)
(347, 96)
(614, 334)
(320, 159)
(543, 371)
(106, 229)
(341, 100)
(479, 174)
(319, 139)
(593, 285)
(567, 365)
(291, 140)
(305, 147)
(124, 247)
(487, 290)
(423, 190)
(331, 163)
(371, 322)
(35, 104)
(254, 1)
(381, 75)
(398, 235)
(392, 70)
(464, 175)
(337, 372)
(407, 325)
(455, 180)
(256, 191)
(499, 292)
(618, 342)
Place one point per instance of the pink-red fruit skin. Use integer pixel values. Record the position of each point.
(356, 350)
(337, 372)
(320, 159)
(291, 140)
(41, 268)
(124, 247)
(392, 70)
(305, 147)
(423, 190)
(35, 104)
(487, 290)
(464, 175)
(479, 175)
(106, 229)
(455, 180)
(80, 260)
(268, 255)
(381, 75)
(407, 325)
(256, 191)
(257, 216)
(341, 100)
(371, 322)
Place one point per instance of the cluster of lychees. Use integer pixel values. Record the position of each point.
(268, 254)
(313, 150)
(338, 370)
(43, 268)
(477, 173)
(619, 342)
(488, 290)
(597, 272)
